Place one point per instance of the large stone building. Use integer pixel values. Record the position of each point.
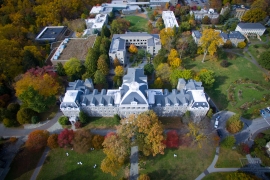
(134, 97)
(120, 43)
(94, 25)
(251, 29)
(199, 15)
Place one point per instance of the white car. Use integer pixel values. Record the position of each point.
(216, 124)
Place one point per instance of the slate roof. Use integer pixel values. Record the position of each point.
(235, 35)
(251, 26)
(197, 34)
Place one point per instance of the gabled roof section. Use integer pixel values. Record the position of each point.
(251, 26)
(236, 35)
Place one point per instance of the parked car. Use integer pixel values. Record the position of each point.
(262, 112)
(217, 121)
(267, 110)
(218, 118)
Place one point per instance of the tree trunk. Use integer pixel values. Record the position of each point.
(205, 52)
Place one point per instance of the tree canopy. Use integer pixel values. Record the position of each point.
(264, 60)
(210, 41)
(119, 26)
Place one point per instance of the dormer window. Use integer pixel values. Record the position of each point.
(134, 103)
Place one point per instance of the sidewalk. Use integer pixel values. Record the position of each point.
(40, 163)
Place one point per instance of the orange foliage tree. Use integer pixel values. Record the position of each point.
(52, 141)
(133, 49)
(119, 71)
(37, 139)
(97, 141)
(82, 141)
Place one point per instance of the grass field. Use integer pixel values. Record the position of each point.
(137, 24)
(239, 68)
(59, 166)
(257, 51)
(102, 122)
(229, 158)
(24, 164)
(189, 163)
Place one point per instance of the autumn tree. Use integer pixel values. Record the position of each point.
(119, 71)
(74, 68)
(228, 142)
(60, 69)
(163, 71)
(52, 141)
(253, 15)
(206, 20)
(97, 141)
(167, 5)
(117, 151)
(24, 115)
(158, 83)
(102, 65)
(37, 139)
(82, 141)
(143, 177)
(196, 134)
(65, 138)
(116, 62)
(260, 4)
(119, 26)
(173, 59)
(172, 140)
(241, 45)
(207, 77)
(38, 87)
(133, 49)
(209, 41)
(167, 37)
(234, 124)
(160, 23)
(216, 4)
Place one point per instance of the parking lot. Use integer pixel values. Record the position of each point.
(200, 3)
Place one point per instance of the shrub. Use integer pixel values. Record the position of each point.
(241, 45)
(9, 122)
(24, 115)
(84, 118)
(264, 60)
(172, 140)
(243, 149)
(37, 139)
(224, 63)
(78, 124)
(117, 117)
(65, 138)
(82, 141)
(144, 177)
(228, 142)
(256, 46)
(228, 44)
(52, 141)
(34, 119)
(13, 108)
(97, 141)
(63, 120)
(234, 124)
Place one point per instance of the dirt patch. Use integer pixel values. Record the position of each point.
(142, 15)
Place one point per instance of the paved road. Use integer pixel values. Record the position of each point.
(23, 132)
(134, 167)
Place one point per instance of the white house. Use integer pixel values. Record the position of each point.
(134, 97)
(120, 42)
(199, 15)
(169, 19)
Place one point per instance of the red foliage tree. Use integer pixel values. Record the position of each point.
(172, 140)
(37, 139)
(40, 71)
(110, 134)
(52, 141)
(244, 149)
(185, 140)
(78, 124)
(65, 138)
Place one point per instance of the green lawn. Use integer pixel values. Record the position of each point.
(256, 51)
(217, 176)
(59, 166)
(229, 158)
(189, 163)
(239, 68)
(102, 122)
(137, 24)
(24, 164)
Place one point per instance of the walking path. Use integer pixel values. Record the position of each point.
(40, 163)
(134, 167)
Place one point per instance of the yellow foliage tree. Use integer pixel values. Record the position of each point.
(163, 71)
(166, 36)
(194, 132)
(167, 5)
(173, 59)
(210, 41)
(119, 71)
(158, 83)
(133, 49)
(241, 45)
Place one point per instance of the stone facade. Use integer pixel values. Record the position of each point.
(134, 97)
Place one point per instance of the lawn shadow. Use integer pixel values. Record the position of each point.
(74, 174)
(163, 174)
(188, 63)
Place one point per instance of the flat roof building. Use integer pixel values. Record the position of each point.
(169, 19)
(53, 34)
(95, 24)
